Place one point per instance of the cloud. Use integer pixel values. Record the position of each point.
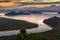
(38, 0)
(33, 0)
(5, 0)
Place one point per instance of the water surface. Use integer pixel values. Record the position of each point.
(34, 18)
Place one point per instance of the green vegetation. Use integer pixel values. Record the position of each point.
(23, 35)
(11, 24)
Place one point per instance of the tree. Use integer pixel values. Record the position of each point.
(23, 35)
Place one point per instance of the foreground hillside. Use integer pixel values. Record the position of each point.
(11, 24)
(54, 34)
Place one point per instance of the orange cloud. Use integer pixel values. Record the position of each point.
(7, 4)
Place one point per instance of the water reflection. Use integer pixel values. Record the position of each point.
(34, 18)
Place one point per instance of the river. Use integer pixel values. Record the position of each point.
(34, 18)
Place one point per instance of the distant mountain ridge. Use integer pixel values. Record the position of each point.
(52, 8)
(27, 3)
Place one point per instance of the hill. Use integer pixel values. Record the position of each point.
(52, 21)
(11, 24)
(54, 34)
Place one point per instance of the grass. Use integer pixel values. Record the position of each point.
(31, 37)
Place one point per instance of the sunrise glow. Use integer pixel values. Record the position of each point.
(50, 0)
(13, 2)
(7, 4)
(26, 0)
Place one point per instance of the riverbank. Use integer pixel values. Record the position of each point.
(32, 37)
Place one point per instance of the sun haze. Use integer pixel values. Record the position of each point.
(13, 2)
(7, 4)
(50, 0)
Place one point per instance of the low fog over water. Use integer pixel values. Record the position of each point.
(34, 18)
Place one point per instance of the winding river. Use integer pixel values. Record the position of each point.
(34, 18)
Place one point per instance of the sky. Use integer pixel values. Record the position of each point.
(34, 0)
(12, 2)
(42, 0)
